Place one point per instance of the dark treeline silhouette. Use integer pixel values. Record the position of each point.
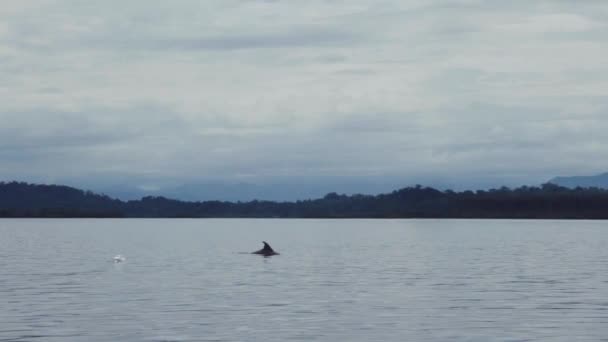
(31, 200)
(547, 201)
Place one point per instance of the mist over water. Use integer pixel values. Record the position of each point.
(335, 280)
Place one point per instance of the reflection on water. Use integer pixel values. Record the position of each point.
(335, 280)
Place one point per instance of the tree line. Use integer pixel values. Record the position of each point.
(547, 201)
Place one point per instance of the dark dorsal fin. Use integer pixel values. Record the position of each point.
(266, 251)
(267, 247)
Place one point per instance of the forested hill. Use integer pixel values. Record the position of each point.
(547, 201)
(31, 200)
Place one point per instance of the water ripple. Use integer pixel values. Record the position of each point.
(351, 280)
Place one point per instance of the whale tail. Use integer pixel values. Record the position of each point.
(266, 251)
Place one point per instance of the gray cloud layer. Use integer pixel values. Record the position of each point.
(158, 94)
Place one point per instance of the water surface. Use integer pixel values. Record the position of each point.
(335, 280)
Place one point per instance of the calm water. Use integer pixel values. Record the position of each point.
(335, 280)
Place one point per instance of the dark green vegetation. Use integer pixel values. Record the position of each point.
(547, 201)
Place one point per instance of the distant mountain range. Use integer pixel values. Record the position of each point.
(598, 181)
(547, 201)
(284, 191)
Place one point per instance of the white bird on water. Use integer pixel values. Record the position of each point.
(119, 258)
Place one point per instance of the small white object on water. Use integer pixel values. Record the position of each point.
(119, 258)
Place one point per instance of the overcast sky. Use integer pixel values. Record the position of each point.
(158, 94)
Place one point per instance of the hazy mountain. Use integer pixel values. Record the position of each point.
(274, 191)
(598, 181)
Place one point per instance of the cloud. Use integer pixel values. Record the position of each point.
(159, 94)
(548, 23)
(271, 40)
